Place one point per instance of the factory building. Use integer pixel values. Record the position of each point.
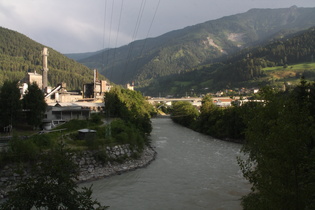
(64, 105)
(29, 79)
(91, 92)
(96, 89)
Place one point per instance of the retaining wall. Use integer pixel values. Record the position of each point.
(119, 161)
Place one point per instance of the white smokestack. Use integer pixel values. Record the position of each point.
(45, 68)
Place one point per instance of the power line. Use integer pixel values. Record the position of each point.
(104, 27)
(121, 11)
(134, 36)
(146, 38)
(110, 30)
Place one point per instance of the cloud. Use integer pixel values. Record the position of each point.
(82, 25)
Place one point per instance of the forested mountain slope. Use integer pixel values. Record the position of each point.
(19, 54)
(183, 50)
(80, 56)
(281, 61)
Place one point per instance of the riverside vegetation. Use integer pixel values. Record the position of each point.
(278, 143)
(47, 156)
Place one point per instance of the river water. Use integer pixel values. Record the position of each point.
(191, 171)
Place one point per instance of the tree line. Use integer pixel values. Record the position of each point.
(13, 110)
(278, 143)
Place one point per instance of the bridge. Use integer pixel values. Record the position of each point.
(196, 101)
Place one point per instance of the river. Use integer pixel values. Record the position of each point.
(191, 171)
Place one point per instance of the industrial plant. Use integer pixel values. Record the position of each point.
(64, 105)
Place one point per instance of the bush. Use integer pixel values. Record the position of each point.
(96, 118)
(126, 133)
(51, 185)
(101, 156)
(44, 141)
(22, 149)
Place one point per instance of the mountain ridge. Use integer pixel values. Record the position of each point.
(184, 49)
(278, 63)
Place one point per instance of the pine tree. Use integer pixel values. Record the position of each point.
(10, 105)
(34, 104)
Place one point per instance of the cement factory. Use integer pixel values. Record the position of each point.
(63, 105)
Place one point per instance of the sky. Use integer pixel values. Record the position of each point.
(76, 26)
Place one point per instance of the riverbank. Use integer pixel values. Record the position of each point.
(90, 168)
(191, 171)
(238, 141)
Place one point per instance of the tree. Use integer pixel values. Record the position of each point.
(51, 185)
(35, 105)
(10, 105)
(130, 106)
(209, 115)
(280, 152)
(184, 113)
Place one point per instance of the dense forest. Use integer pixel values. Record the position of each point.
(19, 55)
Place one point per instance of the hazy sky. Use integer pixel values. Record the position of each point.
(70, 26)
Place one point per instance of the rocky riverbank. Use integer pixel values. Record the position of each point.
(91, 168)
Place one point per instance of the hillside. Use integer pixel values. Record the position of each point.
(184, 50)
(280, 62)
(19, 54)
(80, 56)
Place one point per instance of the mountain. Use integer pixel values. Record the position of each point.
(80, 56)
(281, 61)
(180, 51)
(19, 54)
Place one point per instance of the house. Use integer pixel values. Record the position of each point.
(223, 102)
(63, 112)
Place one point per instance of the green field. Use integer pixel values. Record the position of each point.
(301, 66)
(277, 76)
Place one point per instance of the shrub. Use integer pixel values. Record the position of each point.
(101, 155)
(126, 133)
(22, 149)
(96, 118)
(44, 141)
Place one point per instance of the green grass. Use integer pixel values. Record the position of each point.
(277, 76)
(182, 83)
(295, 67)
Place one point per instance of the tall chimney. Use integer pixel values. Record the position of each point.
(94, 81)
(45, 68)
